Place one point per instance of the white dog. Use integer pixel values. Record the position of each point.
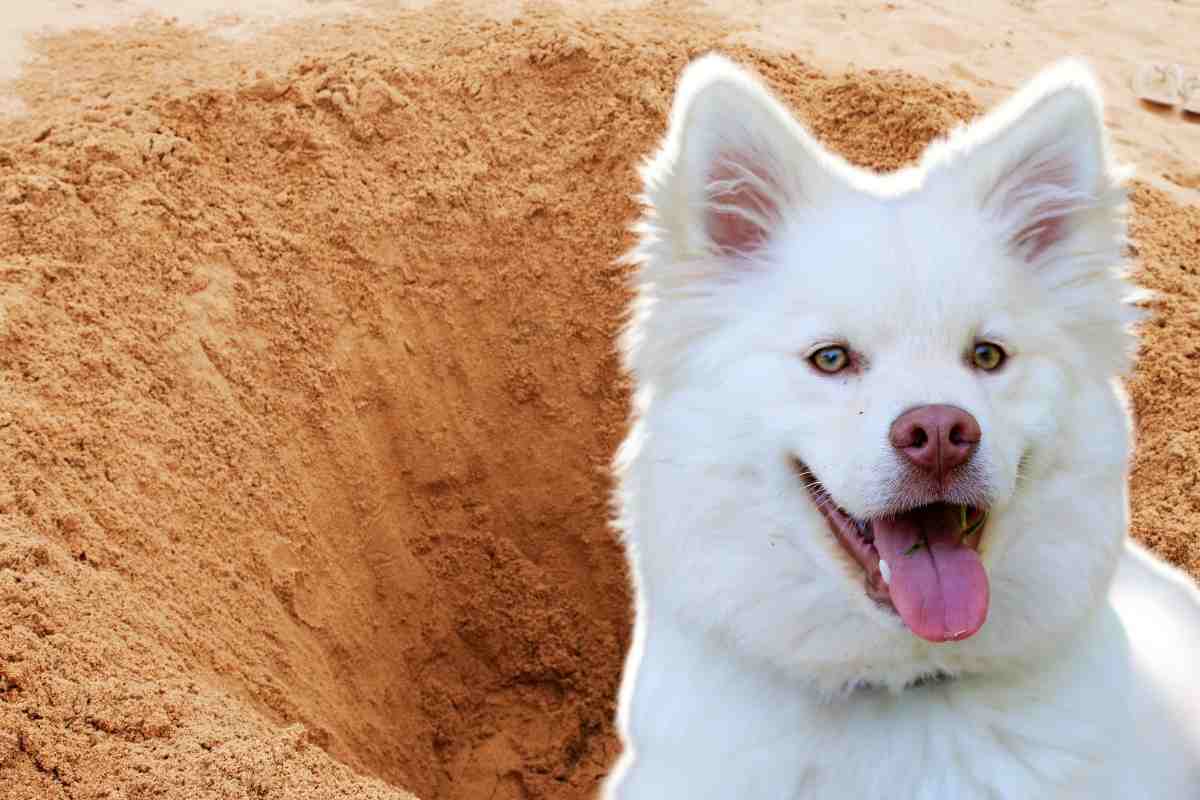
(875, 493)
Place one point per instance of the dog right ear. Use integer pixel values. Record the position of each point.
(733, 164)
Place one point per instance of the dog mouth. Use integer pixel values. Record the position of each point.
(922, 563)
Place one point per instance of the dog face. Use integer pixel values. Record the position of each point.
(877, 413)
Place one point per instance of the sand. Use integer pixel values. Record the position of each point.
(307, 386)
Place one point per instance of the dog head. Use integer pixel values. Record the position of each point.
(879, 431)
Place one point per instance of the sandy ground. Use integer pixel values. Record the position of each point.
(987, 52)
(307, 387)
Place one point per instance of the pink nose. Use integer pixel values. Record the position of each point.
(936, 438)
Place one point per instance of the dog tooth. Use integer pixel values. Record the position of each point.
(885, 571)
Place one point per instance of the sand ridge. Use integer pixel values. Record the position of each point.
(309, 393)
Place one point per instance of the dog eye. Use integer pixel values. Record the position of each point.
(988, 356)
(830, 359)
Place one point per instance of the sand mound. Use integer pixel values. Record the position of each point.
(309, 392)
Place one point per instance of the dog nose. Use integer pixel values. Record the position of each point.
(936, 438)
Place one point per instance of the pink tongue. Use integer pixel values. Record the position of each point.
(940, 589)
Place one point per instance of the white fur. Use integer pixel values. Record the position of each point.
(759, 667)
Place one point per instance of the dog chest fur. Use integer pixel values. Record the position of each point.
(713, 726)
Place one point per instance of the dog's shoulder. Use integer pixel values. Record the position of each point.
(1159, 609)
(1159, 603)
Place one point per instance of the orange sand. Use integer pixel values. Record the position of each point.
(307, 394)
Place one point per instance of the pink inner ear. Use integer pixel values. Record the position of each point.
(1040, 196)
(743, 204)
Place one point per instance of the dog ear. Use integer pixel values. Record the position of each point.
(733, 163)
(1039, 167)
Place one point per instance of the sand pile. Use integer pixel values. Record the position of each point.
(307, 393)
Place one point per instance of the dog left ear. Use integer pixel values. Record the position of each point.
(1038, 166)
(733, 163)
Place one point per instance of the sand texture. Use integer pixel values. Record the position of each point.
(308, 388)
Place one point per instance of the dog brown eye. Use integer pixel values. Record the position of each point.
(830, 359)
(988, 356)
